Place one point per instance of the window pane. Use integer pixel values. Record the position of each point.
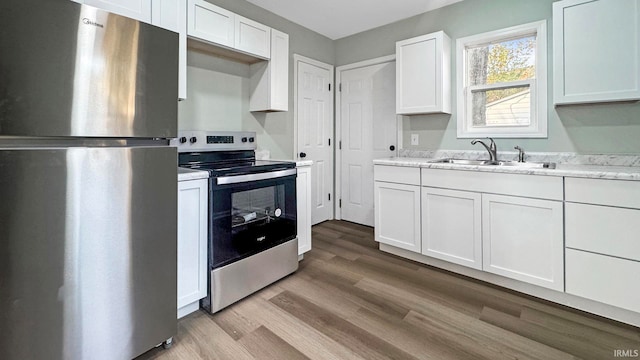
(503, 107)
(509, 60)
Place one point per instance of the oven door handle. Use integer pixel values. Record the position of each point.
(223, 180)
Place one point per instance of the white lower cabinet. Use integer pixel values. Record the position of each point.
(452, 226)
(603, 278)
(303, 204)
(602, 248)
(523, 239)
(192, 244)
(397, 215)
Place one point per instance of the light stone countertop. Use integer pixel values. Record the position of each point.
(301, 163)
(185, 174)
(569, 170)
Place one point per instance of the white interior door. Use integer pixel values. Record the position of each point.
(368, 130)
(314, 113)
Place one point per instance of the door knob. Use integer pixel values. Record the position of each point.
(392, 148)
(303, 155)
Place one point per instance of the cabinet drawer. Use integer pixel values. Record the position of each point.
(603, 278)
(541, 187)
(603, 192)
(602, 229)
(397, 174)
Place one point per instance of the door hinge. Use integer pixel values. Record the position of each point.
(340, 87)
(329, 87)
(329, 142)
(340, 144)
(340, 203)
(329, 197)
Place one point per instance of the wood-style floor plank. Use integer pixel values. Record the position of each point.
(340, 330)
(265, 345)
(348, 300)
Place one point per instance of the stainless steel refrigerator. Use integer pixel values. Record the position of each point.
(88, 188)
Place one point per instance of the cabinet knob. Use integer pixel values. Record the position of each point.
(303, 155)
(392, 148)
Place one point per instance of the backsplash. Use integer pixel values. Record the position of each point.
(557, 157)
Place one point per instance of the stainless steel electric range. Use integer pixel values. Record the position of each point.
(252, 214)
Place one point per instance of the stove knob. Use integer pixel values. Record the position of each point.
(193, 140)
(251, 140)
(183, 140)
(244, 139)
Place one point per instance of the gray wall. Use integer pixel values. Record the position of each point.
(218, 89)
(602, 128)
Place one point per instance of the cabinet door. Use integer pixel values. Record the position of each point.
(452, 226)
(596, 49)
(210, 23)
(192, 241)
(172, 15)
(166, 14)
(303, 193)
(523, 239)
(270, 80)
(252, 37)
(135, 9)
(397, 215)
(423, 74)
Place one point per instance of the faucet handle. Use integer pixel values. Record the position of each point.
(520, 153)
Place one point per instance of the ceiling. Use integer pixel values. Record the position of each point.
(336, 19)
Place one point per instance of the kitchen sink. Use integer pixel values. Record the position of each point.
(528, 165)
(462, 162)
(525, 165)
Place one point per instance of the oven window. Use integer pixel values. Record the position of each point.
(258, 206)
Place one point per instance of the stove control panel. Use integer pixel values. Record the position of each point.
(193, 141)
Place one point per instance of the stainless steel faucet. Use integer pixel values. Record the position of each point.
(491, 148)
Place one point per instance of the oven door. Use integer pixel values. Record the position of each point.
(251, 213)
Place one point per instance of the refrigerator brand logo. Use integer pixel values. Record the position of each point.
(89, 22)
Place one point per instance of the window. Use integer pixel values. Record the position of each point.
(502, 83)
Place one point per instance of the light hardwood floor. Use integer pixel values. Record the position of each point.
(349, 300)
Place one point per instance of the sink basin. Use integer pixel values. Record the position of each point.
(463, 162)
(527, 165)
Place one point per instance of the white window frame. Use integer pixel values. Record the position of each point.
(538, 86)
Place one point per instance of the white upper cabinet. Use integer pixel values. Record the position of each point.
(270, 80)
(135, 9)
(172, 15)
(596, 51)
(252, 37)
(168, 14)
(423, 74)
(211, 23)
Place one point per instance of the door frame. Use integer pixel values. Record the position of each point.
(297, 58)
(338, 125)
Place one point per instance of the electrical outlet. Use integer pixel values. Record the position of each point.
(415, 139)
